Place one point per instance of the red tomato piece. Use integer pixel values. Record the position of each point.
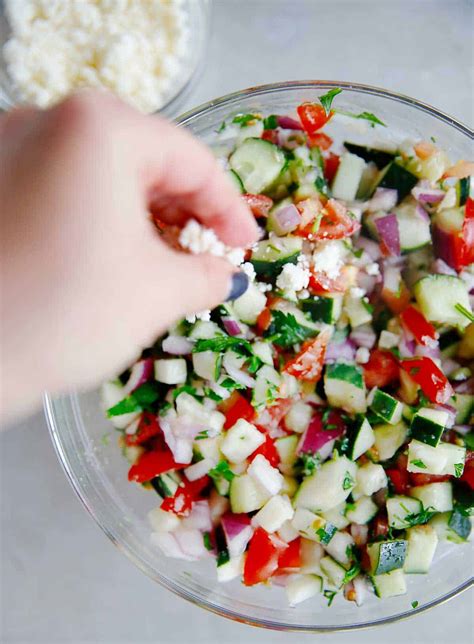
(320, 140)
(271, 417)
(259, 204)
(426, 479)
(262, 557)
(268, 450)
(313, 117)
(396, 302)
(151, 464)
(331, 164)
(379, 526)
(148, 427)
(335, 222)
(320, 283)
(184, 497)
(400, 480)
(235, 407)
(415, 322)
(308, 364)
(264, 320)
(364, 559)
(429, 377)
(468, 476)
(271, 136)
(381, 369)
(290, 559)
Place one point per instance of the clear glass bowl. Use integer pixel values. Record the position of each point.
(199, 15)
(85, 440)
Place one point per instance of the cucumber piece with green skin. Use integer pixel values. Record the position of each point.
(357, 310)
(464, 499)
(272, 254)
(206, 364)
(443, 459)
(388, 439)
(449, 343)
(386, 407)
(344, 387)
(236, 181)
(464, 190)
(250, 304)
(464, 405)
(460, 524)
(437, 297)
(245, 495)
(348, 175)
(399, 508)
(396, 177)
(329, 486)
(386, 556)
(362, 511)
(337, 516)
(286, 448)
(267, 382)
(413, 228)
(324, 308)
(258, 164)
(334, 572)
(360, 438)
(427, 425)
(421, 546)
(381, 158)
(166, 484)
(391, 584)
(435, 496)
(452, 526)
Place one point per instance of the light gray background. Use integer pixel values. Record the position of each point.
(61, 579)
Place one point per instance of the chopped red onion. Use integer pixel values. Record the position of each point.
(177, 345)
(387, 228)
(443, 247)
(370, 246)
(441, 268)
(364, 336)
(191, 542)
(288, 123)
(169, 546)
(286, 219)
(430, 350)
(231, 326)
(450, 410)
(199, 518)
(236, 374)
(316, 436)
(448, 366)
(141, 372)
(343, 351)
(406, 347)
(359, 533)
(462, 429)
(424, 194)
(465, 387)
(421, 213)
(238, 532)
(383, 199)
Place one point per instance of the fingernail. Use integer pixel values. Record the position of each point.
(238, 286)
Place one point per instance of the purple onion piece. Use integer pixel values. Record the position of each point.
(231, 326)
(344, 351)
(387, 228)
(288, 123)
(383, 199)
(141, 372)
(424, 194)
(287, 219)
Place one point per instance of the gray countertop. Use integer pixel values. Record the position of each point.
(61, 579)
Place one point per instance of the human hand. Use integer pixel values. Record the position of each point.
(87, 281)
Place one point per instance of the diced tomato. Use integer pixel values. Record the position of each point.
(399, 480)
(381, 369)
(429, 376)
(396, 302)
(151, 464)
(468, 233)
(320, 283)
(184, 497)
(320, 140)
(271, 136)
(290, 559)
(456, 248)
(364, 559)
(468, 474)
(415, 322)
(264, 320)
(379, 525)
(313, 117)
(426, 479)
(147, 428)
(331, 164)
(262, 557)
(270, 417)
(259, 204)
(268, 450)
(235, 407)
(334, 223)
(308, 364)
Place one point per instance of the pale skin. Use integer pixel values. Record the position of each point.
(86, 282)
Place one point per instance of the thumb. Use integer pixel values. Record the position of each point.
(198, 282)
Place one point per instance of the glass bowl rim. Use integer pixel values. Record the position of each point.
(49, 405)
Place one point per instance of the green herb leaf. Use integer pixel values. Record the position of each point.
(285, 331)
(351, 573)
(246, 119)
(327, 99)
(462, 309)
(458, 469)
(329, 595)
(206, 537)
(230, 384)
(418, 518)
(126, 406)
(348, 481)
(366, 116)
(307, 463)
(414, 604)
(469, 440)
(212, 395)
(221, 471)
(418, 463)
(202, 435)
(322, 186)
(326, 534)
(185, 389)
(270, 122)
(222, 127)
(221, 343)
(139, 400)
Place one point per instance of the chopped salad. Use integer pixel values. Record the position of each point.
(317, 432)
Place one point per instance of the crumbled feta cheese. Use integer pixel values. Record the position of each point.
(372, 269)
(362, 355)
(136, 49)
(201, 315)
(388, 340)
(199, 239)
(263, 287)
(293, 278)
(357, 292)
(328, 258)
(249, 270)
(235, 256)
(304, 294)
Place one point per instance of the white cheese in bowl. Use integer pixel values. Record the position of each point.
(135, 48)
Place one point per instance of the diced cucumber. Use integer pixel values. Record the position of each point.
(274, 513)
(340, 548)
(241, 440)
(386, 407)
(435, 496)
(257, 163)
(166, 484)
(399, 508)
(367, 180)
(111, 393)
(307, 524)
(389, 585)
(334, 572)
(362, 511)
(413, 228)
(236, 181)
(371, 478)
(171, 371)
(421, 546)
(248, 306)
(204, 330)
(464, 499)
(348, 176)
(311, 553)
(299, 416)
(267, 382)
(208, 448)
(381, 158)
(464, 190)
(263, 350)
(302, 588)
(329, 486)
(452, 526)
(290, 484)
(356, 310)
(398, 178)
(388, 439)
(443, 459)
(245, 495)
(206, 364)
(386, 556)
(337, 516)
(360, 438)
(464, 405)
(438, 295)
(344, 387)
(449, 220)
(162, 521)
(231, 569)
(272, 254)
(427, 425)
(286, 448)
(323, 309)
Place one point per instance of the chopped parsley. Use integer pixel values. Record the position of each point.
(366, 116)
(202, 435)
(351, 573)
(458, 469)
(212, 395)
(348, 481)
(322, 186)
(245, 119)
(230, 384)
(418, 463)
(270, 122)
(221, 343)
(469, 440)
(206, 537)
(285, 330)
(415, 603)
(326, 534)
(141, 399)
(307, 463)
(221, 471)
(462, 309)
(329, 595)
(185, 389)
(417, 518)
(327, 99)
(222, 127)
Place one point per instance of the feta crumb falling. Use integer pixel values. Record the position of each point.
(199, 239)
(293, 278)
(136, 49)
(328, 258)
